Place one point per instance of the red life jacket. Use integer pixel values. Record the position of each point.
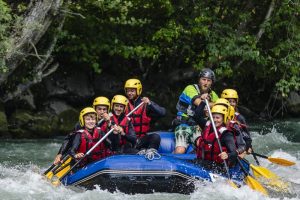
(208, 148)
(88, 141)
(104, 126)
(124, 124)
(140, 120)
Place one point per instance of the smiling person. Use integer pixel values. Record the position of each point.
(207, 145)
(143, 116)
(87, 137)
(232, 96)
(102, 105)
(123, 133)
(186, 128)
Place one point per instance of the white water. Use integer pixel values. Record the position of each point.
(22, 162)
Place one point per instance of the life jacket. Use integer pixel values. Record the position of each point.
(88, 141)
(103, 126)
(124, 124)
(140, 120)
(208, 148)
(236, 119)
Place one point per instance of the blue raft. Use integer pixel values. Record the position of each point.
(170, 173)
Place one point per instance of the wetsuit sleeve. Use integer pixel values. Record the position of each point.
(199, 116)
(244, 131)
(77, 126)
(227, 140)
(130, 136)
(75, 144)
(66, 144)
(154, 110)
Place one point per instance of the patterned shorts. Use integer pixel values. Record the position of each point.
(185, 135)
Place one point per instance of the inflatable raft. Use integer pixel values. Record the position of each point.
(166, 172)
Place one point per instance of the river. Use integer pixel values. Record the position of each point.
(23, 161)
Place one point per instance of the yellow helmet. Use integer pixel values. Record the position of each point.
(134, 83)
(220, 109)
(230, 94)
(230, 109)
(101, 101)
(85, 111)
(119, 99)
(222, 101)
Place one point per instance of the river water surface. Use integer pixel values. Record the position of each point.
(23, 161)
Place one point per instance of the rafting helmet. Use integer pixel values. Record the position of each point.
(85, 111)
(220, 109)
(120, 99)
(230, 94)
(101, 101)
(207, 73)
(134, 83)
(230, 109)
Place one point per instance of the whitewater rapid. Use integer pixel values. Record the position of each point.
(23, 161)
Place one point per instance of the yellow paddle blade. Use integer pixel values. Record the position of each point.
(281, 161)
(259, 171)
(279, 185)
(272, 179)
(61, 170)
(55, 181)
(232, 184)
(255, 185)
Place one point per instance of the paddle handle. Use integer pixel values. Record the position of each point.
(217, 136)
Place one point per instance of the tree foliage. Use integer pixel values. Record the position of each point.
(236, 38)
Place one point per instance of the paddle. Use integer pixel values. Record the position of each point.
(250, 181)
(56, 181)
(279, 161)
(54, 170)
(273, 180)
(219, 144)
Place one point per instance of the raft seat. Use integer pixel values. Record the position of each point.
(167, 143)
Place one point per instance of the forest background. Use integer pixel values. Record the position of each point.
(56, 56)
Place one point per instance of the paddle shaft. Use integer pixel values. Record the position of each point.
(101, 140)
(259, 155)
(242, 167)
(255, 158)
(217, 136)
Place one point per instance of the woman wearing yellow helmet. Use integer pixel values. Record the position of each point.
(232, 96)
(207, 146)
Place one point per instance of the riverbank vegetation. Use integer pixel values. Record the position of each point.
(253, 46)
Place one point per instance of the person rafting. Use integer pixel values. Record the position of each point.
(101, 105)
(88, 136)
(123, 132)
(207, 145)
(233, 126)
(186, 129)
(232, 96)
(143, 116)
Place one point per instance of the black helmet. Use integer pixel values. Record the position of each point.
(207, 73)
